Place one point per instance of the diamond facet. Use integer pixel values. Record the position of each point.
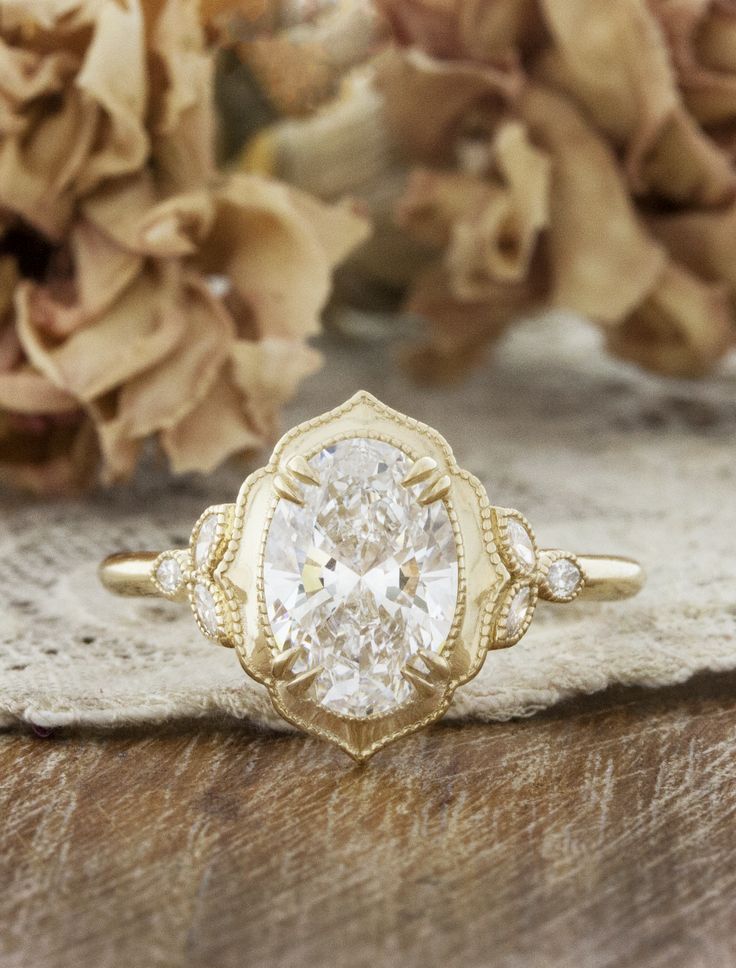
(205, 539)
(361, 576)
(563, 578)
(521, 543)
(169, 575)
(517, 612)
(204, 602)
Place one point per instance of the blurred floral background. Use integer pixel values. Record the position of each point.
(186, 187)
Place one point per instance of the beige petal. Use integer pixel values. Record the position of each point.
(496, 241)
(183, 113)
(268, 373)
(687, 166)
(177, 227)
(602, 260)
(276, 254)
(118, 209)
(25, 391)
(119, 451)
(459, 330)
(435, 201)
(163, 395)
(215, 430)
(476, 29)
(102, 271)
(113, 76)
(40, 169)
(136, 332)
(612, 58)
(702, 241)
(681, 329)
(59, 460)
(427, 101)
(702, 36)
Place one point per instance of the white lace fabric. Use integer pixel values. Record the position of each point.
(601, 459)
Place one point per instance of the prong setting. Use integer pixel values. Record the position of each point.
(299, 686)
(436, 491)
(284, 661)
(287, 488)
(438, 666)
(423, 686)
(420, 471)
(302, 470)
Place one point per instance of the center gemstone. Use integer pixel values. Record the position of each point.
(361, 576)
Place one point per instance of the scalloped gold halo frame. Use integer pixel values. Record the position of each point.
(501, 575)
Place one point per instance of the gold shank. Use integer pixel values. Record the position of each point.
(608, 578)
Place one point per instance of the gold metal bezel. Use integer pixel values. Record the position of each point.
(479, 581)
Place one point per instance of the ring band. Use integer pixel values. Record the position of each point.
(362, 576)
(608, 578)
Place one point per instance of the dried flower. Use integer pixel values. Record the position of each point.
(523, 154)
(142, 294)
(570, 154)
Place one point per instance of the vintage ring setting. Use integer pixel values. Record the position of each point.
(362, 576)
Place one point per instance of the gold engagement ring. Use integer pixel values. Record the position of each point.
(362, 576)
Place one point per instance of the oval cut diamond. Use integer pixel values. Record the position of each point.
(361, 576)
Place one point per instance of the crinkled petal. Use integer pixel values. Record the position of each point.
(682, 327)
(163, 395)
(277, 253)
(268, 373)
(215, 430)
(603, 262)
(136, 332)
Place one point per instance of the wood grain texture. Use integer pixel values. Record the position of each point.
(600, 834)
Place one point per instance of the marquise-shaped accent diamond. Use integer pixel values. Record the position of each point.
(521, 544)
(206, 607)
(361, 576)
(517, 612)
(205, 539)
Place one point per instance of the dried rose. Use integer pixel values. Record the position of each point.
(141, 294)
(619, 200)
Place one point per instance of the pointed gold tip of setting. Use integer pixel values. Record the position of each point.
(284, 661)
(420, 471)
(301, 683)
(439, 667)
(422, 685)
(287, 489)
(302, 470)
(436, 491)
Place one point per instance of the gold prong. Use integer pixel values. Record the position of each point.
(284, 661)
(301, 683)
(439, 667)
(287, 489)
(420, 471)
(434, 492)
(302, 470)
(421, 684)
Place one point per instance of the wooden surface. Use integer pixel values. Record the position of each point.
(601, 833)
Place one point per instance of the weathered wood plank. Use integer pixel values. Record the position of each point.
(599, 834)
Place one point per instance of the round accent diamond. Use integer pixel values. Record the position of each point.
(205, 539)
(204, 602)
(361, 576)
(169, 576)
(563, 578)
